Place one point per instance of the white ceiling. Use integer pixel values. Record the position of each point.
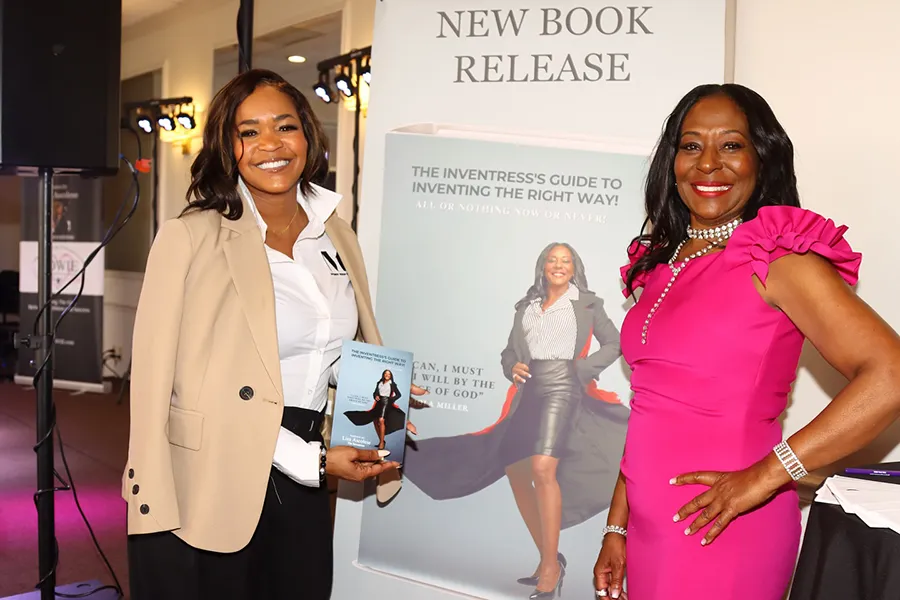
(135, 11)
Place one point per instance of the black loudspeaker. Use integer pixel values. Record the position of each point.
(60, 64)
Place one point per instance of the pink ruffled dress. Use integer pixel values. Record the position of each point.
(709, 386)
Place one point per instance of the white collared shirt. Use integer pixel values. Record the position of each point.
(315, 311)
(550, 334)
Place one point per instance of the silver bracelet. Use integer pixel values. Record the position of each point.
(614, 529)
(790, 462)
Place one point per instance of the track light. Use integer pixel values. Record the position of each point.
(166, 122)
(145, 123)
(186, 120)
(166, 115)
(321, 88)
(364, 70)
(350, 70)
(343, 84)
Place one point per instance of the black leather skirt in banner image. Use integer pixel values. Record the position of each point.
(542, 420)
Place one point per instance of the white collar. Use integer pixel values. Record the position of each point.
(318, 207)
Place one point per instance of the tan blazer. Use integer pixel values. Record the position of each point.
(199, 454)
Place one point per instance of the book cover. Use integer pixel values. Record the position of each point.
(371, 403)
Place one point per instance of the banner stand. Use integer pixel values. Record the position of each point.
(76, 227)
(516, 157)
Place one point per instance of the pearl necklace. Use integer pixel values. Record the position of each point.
(716, 235)
(714, 232)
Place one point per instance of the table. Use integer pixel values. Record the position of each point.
(843, 558)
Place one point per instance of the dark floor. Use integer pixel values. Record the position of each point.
(94, 429)
(95, 432)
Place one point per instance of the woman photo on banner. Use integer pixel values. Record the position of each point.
(237, 340)
(559, 437)
(386, 416)
(734, 277)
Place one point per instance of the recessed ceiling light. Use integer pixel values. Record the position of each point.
(297, 59)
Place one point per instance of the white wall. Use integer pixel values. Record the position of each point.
(121, 292)
(830, 71)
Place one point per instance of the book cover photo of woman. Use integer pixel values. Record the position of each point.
(559, 437)
(384, 414)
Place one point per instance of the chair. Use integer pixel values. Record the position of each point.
(9, 306)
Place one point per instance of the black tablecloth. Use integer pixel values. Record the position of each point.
(842, 558)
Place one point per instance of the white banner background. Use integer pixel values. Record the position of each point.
(68, 259)
(659, 52)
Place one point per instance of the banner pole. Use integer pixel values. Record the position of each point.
(356, 115)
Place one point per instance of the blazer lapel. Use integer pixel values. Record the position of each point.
(584, 319)
(249, 267)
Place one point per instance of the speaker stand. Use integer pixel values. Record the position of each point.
(47, 550)
(46, 412)
(76, 589)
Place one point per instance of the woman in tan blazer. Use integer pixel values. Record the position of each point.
(246, 300)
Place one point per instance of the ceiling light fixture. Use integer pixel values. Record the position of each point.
(296, 58)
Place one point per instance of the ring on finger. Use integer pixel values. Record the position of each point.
(601, 593)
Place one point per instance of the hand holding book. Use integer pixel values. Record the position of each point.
(353, 464)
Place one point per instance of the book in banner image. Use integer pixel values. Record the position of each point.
(371, 403)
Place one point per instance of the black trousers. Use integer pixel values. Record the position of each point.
(289, 556)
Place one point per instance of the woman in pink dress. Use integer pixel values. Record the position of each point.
(732, 279)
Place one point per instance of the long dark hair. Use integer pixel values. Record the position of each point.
(776, 182)
(539, 287)
(382, 380)
(214, 173)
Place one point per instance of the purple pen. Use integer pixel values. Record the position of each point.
(885, 473)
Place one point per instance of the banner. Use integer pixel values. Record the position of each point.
(498, 211)
(77, 229)
(503, 140)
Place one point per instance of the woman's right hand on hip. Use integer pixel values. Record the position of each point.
(609, 570)
(520, 373)
(353, 464)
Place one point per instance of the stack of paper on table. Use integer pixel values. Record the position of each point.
(876, 503)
